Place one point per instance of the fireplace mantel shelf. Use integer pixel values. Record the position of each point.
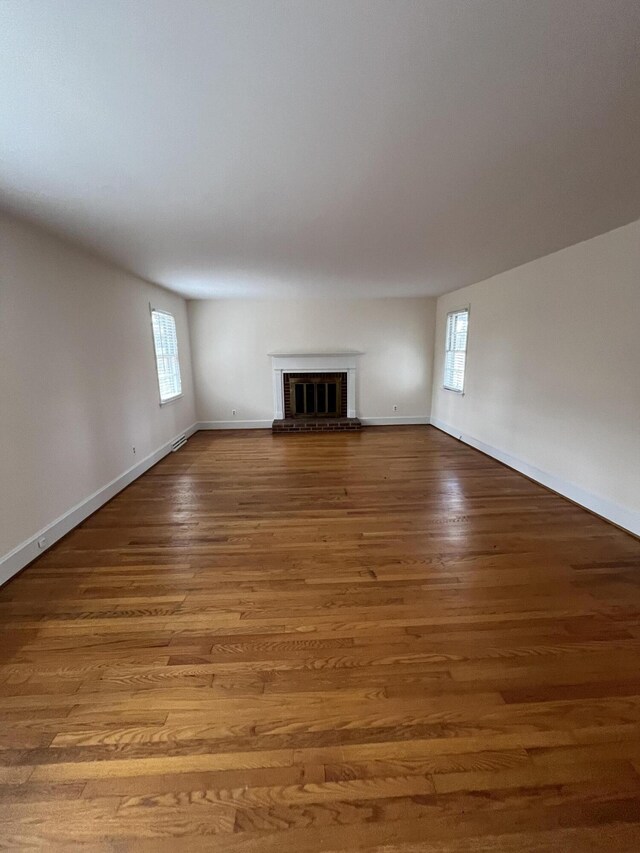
(318, 354)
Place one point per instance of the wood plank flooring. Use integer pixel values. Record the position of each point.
(380, 641)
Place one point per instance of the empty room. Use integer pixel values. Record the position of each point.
(320, 426)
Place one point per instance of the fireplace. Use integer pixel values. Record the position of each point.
(314, 392)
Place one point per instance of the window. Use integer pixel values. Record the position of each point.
(166, 347)
(455, 358)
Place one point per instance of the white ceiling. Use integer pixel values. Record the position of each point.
(321, 147)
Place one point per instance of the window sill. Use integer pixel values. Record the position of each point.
(171, 400)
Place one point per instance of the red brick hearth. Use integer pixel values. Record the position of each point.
(296, 425)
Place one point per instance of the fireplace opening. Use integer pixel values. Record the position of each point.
(315, 395)
(315, 398)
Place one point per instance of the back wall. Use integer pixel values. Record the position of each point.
(231, 339)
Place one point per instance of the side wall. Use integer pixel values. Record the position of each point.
(78, 387)
(231, 340)
(553, 372)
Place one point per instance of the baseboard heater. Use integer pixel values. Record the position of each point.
(178, 443)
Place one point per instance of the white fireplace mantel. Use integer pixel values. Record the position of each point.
(329, 361)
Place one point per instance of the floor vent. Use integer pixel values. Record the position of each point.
(178, 443)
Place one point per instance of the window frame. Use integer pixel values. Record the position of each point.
(153, 310)
(464, 309)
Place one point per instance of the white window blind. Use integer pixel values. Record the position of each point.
(166, 346)
(455, 358)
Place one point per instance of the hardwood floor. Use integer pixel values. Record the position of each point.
(372, 641)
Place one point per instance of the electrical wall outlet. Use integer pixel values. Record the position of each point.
(395, 408)
(234, 412)
(133, 450)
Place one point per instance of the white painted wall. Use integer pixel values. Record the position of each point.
(230, 340)
(553, 375)
(78, 385)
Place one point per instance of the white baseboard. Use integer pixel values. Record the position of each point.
(235, 424)
(28, 550)
(260, 424)
(622, 517)
(398, 421)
